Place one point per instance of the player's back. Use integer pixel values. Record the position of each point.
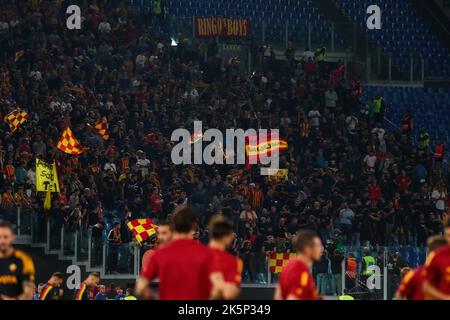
(183, 268)
(437, 269)
(412, 283)
(230, 266)
(296, 281)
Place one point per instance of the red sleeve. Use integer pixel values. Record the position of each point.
(150, 266)
(432, 270)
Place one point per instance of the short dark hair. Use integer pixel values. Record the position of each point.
(6, 224)
(436, 242)
(57, 275)
(447, 223)
(184, 219)
(220, 227)
(303, 239)
(165, 223)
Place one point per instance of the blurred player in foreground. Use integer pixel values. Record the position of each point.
(187, 270)
(411, 286)
(164, 235)
(221, 237)
(296, 281)
(52, 290)
(437, 271)
(16, 268)
(83, 293)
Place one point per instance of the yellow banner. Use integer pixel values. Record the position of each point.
(276, 175)
(46, 177)
(266, 147)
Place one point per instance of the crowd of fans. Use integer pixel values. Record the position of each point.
(349, 179)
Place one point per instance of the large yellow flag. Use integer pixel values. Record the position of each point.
(46, 177)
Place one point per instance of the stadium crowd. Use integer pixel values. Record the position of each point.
(349, 179)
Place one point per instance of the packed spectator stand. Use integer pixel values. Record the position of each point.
(352, 177)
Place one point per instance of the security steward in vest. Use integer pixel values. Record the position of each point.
(424, 141)
(16, 268)
(367, 262)
(379, 109)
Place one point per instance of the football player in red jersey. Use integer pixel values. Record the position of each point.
(296, 281)
(187, 269)
(164, 235)
(221, 233)
(437, 271)
(411, 286)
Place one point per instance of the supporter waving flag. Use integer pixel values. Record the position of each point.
(16, 118)
(102, 128)
(263, 144)
(142, 229)
(69, 144)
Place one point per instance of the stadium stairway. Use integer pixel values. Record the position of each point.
(361, 44)
(429, 107)
(404, 35)
(57, 242)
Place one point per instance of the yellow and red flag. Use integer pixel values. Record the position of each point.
(196, 136)
(16, 118)
(142, 229)
(278, 260)
(102, 128)
(69, 144)
(263, 144)
(18, 55)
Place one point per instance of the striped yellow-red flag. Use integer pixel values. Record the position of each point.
(142, 229)
(196, 136)
(18, 55)
(16, 118)
(69, 144)
(102, 128)
(278, 260)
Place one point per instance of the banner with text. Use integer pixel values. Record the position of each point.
(223, 27)
(46, 176)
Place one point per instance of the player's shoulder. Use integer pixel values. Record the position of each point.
(26, 260)
(440, 253)
(411, 275)
(295, 265)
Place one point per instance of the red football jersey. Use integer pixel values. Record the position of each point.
(437, 269)
(229, 265)
(411, 286)
(183, 268)
(296, 280)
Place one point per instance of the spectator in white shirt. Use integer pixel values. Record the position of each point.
(352, 123)
(110, 165)
(331, 98)
(104, 27)
(370, 160)
(314, 118)
(143, 162)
